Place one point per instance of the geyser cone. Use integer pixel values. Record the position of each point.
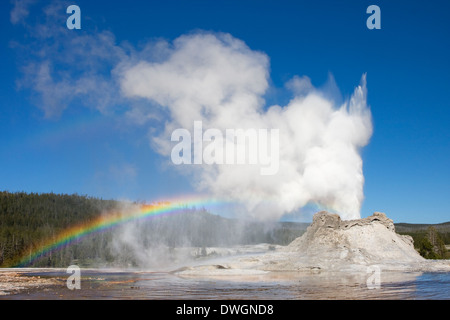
(367, 241)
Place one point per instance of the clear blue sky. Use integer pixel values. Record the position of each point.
(85, 151)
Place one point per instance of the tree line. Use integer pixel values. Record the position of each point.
(28, 220)
(431, 243)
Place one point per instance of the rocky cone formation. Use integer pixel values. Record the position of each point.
(365, 241)
(330, 243)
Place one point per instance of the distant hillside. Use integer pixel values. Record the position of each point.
(407, 227)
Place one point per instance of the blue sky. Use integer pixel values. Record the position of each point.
(96, 151)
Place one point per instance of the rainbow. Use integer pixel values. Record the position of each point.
(108, 221)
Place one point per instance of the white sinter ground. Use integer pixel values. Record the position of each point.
(335, 245)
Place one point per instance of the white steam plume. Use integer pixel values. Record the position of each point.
(218, 80)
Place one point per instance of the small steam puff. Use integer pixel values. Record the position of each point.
(217, 79)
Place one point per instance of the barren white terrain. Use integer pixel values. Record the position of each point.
(334, 245)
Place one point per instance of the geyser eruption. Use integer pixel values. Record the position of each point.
(218, 80)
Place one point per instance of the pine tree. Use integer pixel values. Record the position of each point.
(437, 243)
